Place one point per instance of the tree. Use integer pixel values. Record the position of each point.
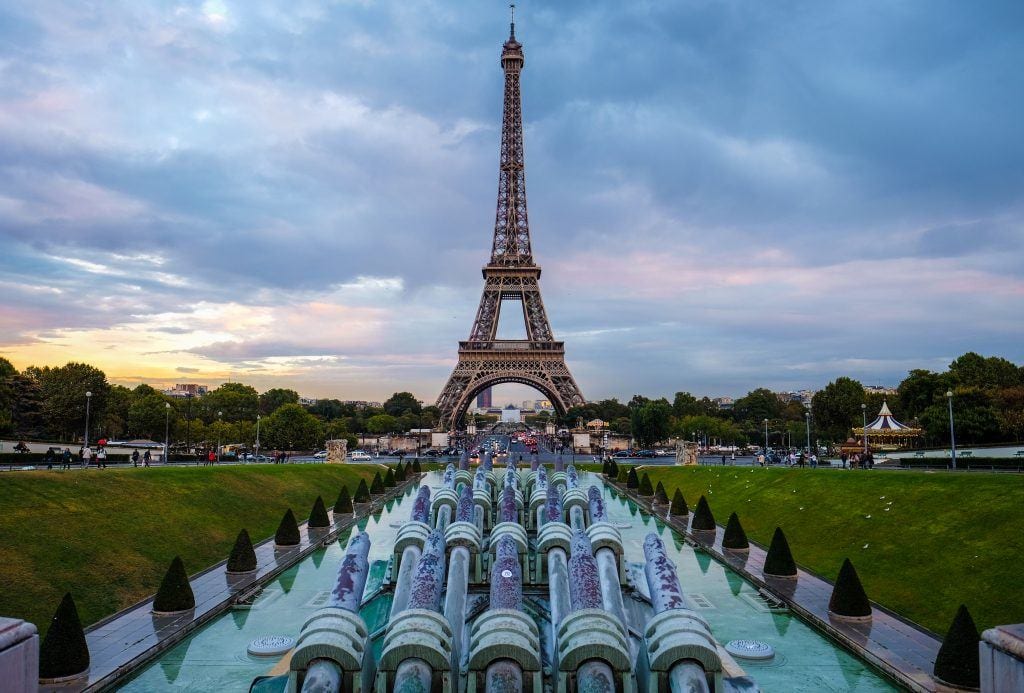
(330, 409)
(344, 502)
(757, 405)
(402, 403)
(23, 411)
(114, 420)
(291, 427)
(957, 660)
(920, 389)
(631, 479)
(848, 596)
(287, 533)
(779, 561)
(974, 370)
(679, 506)
(64, 651)
(175, 593)
(275, 397)
(650, 422)
(382, 423)
(243, 556)
(735, 538)
(318, 516)
(621, 425)
(703, 518)
(235, 401)
(974, 417)
(147, 416)
(685, 404)
(836, 408)
(62, 390)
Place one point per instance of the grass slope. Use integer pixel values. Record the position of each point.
(108, 537)
(946, 539)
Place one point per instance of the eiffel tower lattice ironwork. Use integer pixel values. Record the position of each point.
(511, 275)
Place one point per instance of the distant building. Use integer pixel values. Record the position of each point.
(187, 390)
(362, 404)
(511, 415)
(802, 396)
(880, 390)
(724, 403)
(483, 400)
(543, 405)
(307, 401)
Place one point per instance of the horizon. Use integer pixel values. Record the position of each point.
(772, 198)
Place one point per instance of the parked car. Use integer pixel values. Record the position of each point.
(360, 456)
(645, 453)
(622, 453)
(322, 455)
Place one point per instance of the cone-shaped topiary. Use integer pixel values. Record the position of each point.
(377, 485)
(645, 489)
(389, 478)
(660, 496)
(362, 492)
(64, 651)
(848, 596)
(243, 557)
(344, 503)
(623, 475)
(399, 472)
(288, 531)
(175, 593)
(613, 469)
(779, 561)
(632, 481)
(957, 661)
(604, 468)
(679, 506)
(416, 466)
(703, 519)
(318, 515)
(735, 538)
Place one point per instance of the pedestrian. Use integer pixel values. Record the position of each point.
(843, 458)
(733, 457)
(146, 458)
(66, 459)
(48, 458)
(814, 461)
(101, 458)
(135, 458)
(86, 456)
(211, 457)
(723, 459)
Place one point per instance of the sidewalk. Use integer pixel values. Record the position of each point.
(897, 647)
(126, 640)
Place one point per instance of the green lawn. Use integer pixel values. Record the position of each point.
(108, 536)
(944, 539)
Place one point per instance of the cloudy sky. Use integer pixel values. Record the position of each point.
(723, 195)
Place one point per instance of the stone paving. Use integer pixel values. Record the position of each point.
(123, 642)
(897, 647)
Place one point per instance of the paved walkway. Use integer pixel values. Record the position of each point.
(123, 642)
(897, 647)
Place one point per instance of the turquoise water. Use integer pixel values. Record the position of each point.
(215, 658)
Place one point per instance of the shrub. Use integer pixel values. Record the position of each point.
(703, 519)
(613, 469)
(623, 475)
(243, 557)
(848, 596)
(632, 481)
(389, 479)
(399, 472)
(318, 516)
(344, 503)
(175, 593)
(734, 538)
(64, 651)
(288, 531)
(679, 506)
(377, 486)
(645, 489)
(957, 661)
(779, 561)
(660, 495)
(604, 468)
(362, 492)
(416, 466)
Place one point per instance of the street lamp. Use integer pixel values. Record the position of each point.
(952, 433)
(167, 432)
(218, 436)
(807, 415)
(864, 425)
(257, 438)
(88, 398)
(188, 425)
(766, 438)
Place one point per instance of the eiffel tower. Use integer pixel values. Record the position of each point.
(511, 275)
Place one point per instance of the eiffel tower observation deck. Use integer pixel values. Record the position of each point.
(513, 276)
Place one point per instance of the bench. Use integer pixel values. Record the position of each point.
(968, 453)
(919, 453)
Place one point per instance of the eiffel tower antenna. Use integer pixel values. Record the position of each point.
(512, 26)
(511, 275)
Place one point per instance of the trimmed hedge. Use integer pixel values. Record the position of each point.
(734, 538)
(703, 518)
(17, 459)
(632, 481)
(243, 556)
(613, 469)
(377, 487)
(389, 478)
(957, 661)
(344, 503)
(175, 593)
(416, 466)
(848, 596)
(623, 475)
(362, 492)
(660, 495)
(400, 472)
(679, 506)
(287, 533)
(318, 515)
(645, 489)
(64, 651)
(779, 561)
(965, 462)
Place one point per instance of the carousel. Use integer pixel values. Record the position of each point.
(885, 433)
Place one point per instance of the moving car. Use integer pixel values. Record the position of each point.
(322, 455)
(360, 456)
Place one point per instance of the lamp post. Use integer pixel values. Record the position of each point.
(766, 438)
(807, 416)
(952, 433)
(257, 446)
(218, 437)
(88, 399)
(188, 425)
(864, 425)
(167, 432)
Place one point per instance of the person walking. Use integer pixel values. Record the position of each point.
(211, 458)
(146, 458)
(65, 459)
(48, 458)
(843, 458)
(135, 458)
(101, 458)
(86, 456)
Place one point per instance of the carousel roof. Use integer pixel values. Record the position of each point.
(886, 422)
